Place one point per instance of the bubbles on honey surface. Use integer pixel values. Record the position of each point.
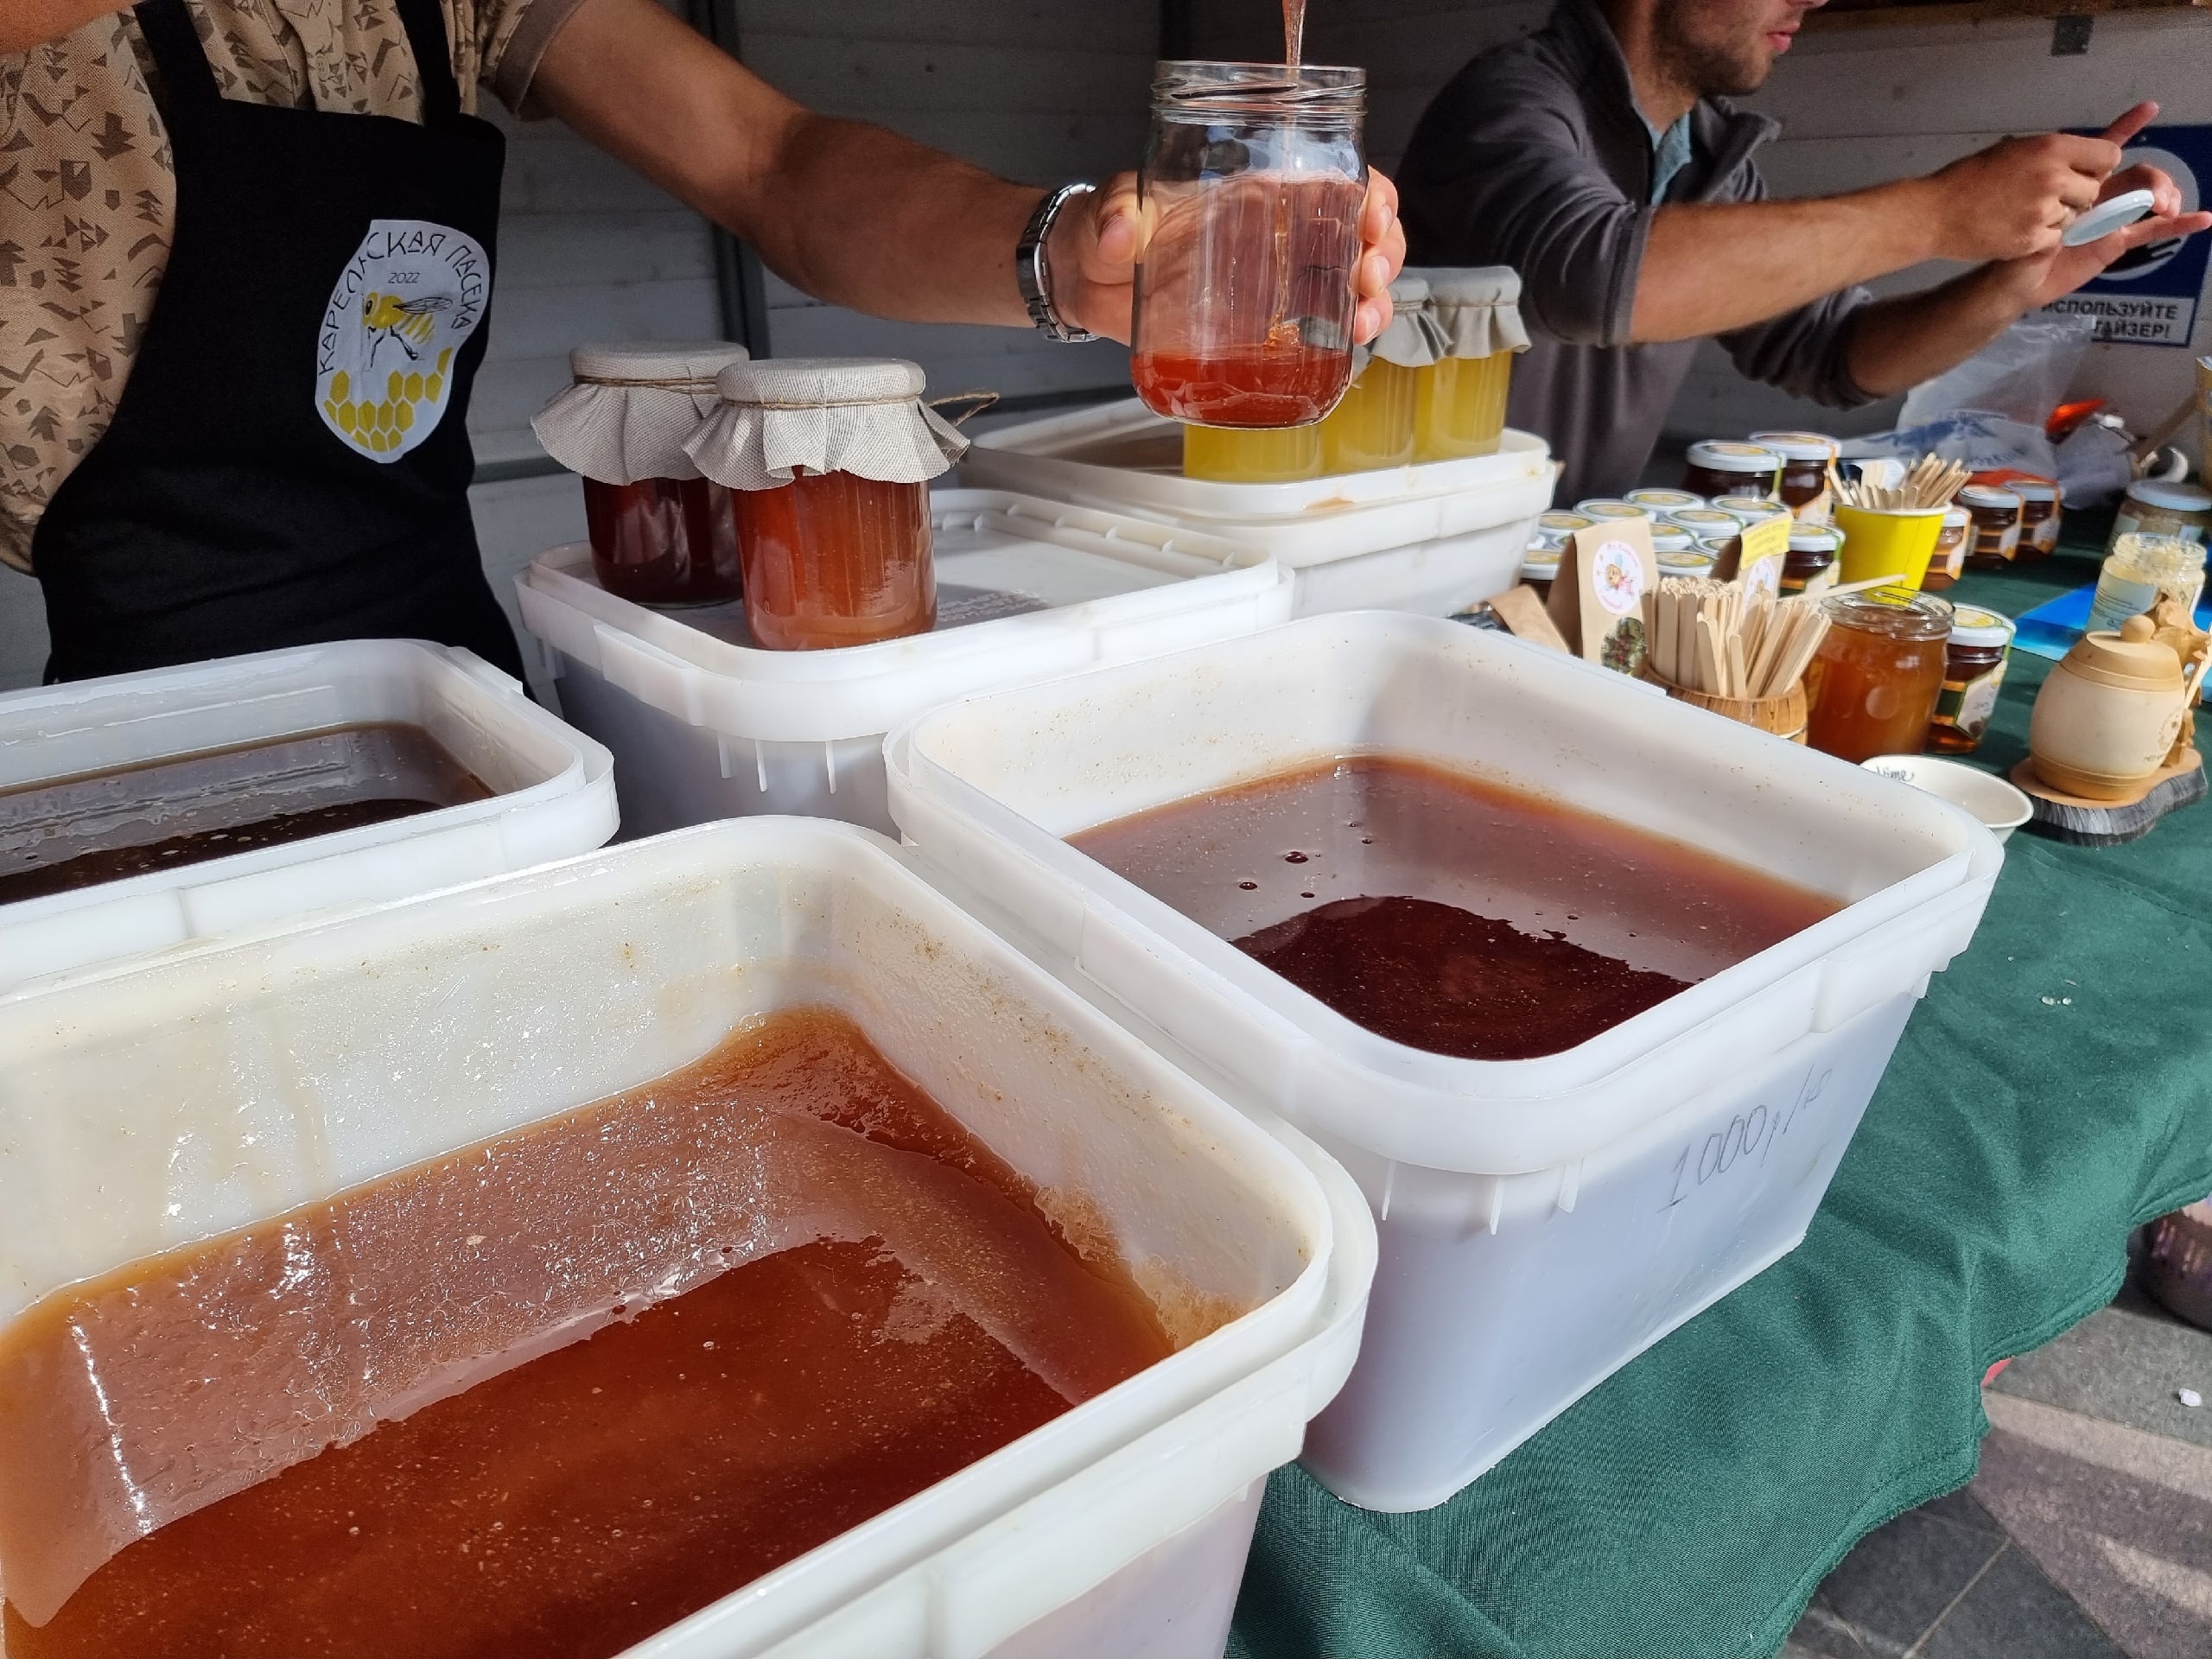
(1294, 858)
(1250, 886)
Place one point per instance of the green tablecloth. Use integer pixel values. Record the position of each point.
(2053, 1091)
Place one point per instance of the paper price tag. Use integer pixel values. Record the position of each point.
(1765, 547)
(1597, 601)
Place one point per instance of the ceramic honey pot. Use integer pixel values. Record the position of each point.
(2109, 716)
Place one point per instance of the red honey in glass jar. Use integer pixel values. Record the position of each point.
(1873, 683)
(1974, 671)
(663, 541)
(1254, 178)
(661, 534)
(829, 462)
(833, 559)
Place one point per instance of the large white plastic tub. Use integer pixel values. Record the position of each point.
(553, 791)
(1433, 537)
(145, 1108)
(706, 725)
(1543, 1221)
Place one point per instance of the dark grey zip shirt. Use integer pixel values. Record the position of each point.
(1535, 156)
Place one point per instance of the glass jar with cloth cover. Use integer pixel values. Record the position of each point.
(661, 533)
(829, 458)
(1373, 426)
(1459, 400)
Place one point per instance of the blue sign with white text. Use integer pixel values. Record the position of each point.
(2150, 296)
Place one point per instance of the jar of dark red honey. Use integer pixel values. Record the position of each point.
(661, 533)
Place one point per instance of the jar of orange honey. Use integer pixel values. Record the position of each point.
(829, 460)
(1872, 685)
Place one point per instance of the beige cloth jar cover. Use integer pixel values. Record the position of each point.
(1413, 338)
(1477, 310)
(632, 406)
(863, 415)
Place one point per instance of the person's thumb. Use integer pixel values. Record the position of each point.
(1110, 252)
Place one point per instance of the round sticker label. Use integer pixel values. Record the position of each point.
(1617, 575)
(401, 310)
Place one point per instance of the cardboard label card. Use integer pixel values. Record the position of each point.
(1597, 602)
(1764, 547)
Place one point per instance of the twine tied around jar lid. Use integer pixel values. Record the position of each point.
(858, 415)
(632, 406)
(1477, 309)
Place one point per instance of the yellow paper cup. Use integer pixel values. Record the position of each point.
(1888, 542)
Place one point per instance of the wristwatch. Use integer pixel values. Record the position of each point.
(1029, 265)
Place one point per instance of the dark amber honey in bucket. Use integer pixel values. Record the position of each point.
(570, 1505)
(77, 832)
(1449, 911)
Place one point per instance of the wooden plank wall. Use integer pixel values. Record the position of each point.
(1858, 107)
(1034, 90)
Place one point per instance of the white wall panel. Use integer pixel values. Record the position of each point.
(1032, 92)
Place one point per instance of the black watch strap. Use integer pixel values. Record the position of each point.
(1029, 265)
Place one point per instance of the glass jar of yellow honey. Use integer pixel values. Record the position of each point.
(1263, 454)
(1459, 401)
(1372, 427)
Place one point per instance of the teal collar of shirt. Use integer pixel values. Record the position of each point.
(1670, 154)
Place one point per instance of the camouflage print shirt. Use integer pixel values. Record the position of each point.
(87, 198)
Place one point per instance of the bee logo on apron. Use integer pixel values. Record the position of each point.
(401, 310)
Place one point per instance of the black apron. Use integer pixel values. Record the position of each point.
(289, 462)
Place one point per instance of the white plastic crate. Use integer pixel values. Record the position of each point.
(706, 725)
(553, 791)
(1543, 1221)
(148, 1106)
(1434, 538)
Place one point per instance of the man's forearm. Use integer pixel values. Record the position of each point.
(1709, 268)
(940, 239)
(1898, 343)
(850, 214)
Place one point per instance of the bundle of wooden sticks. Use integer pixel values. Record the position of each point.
(1719, 638)
(1930, 484)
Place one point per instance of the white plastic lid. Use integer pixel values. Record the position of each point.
(1604, 507)
(1670, 538)
(1985, 495)
(1798, 446)
(1956, 517)
(1565, 521)
(1815, 538)
(1970, 627)
(1664, 500)
(1685, 561)
(1720, 455)
(2101, 220)
(654, 362)
(2034, 489)
(1540, 566)
(1704, 518)
(2175, 498)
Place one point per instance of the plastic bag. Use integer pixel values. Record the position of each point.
(2020, 376)
(1985, 443)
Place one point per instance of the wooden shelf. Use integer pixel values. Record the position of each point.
(1880, 14)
